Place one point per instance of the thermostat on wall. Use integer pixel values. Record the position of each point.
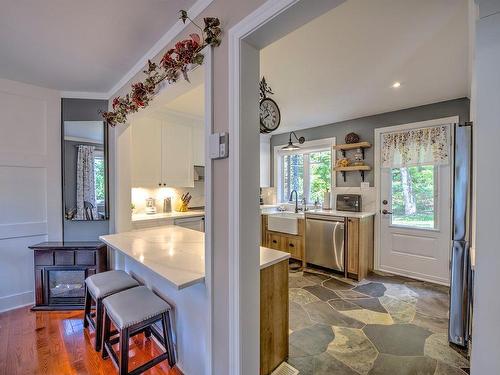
(219, 145)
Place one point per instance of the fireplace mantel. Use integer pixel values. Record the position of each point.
(60, 272)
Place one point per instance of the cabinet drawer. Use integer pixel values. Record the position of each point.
(274, 241)
(44, 258)
(64, 258)
(293, 247)
(85, 258)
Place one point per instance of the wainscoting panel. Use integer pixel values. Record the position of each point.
(30, 184)
(26, 120)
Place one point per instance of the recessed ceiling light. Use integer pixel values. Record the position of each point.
(395, 85)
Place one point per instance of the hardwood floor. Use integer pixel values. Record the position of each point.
(55, 343)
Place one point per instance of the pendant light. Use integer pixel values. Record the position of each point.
(290, 146)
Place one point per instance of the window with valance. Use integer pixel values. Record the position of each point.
(414, 147)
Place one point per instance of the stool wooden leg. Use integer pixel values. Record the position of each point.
(88, 303)
(98, 323)
(167, 336)
(124, 338)
(106, 334)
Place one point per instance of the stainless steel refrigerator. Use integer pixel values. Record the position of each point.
(461, 281)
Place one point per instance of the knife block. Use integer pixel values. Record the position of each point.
(182, 207)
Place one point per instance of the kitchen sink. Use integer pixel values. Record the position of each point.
(284, 222)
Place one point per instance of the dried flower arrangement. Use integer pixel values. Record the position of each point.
(174, 62)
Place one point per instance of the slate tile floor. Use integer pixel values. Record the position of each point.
(383, 325)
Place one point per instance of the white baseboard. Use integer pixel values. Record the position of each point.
(15, 301)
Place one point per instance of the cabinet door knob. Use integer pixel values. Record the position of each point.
(291, 245)
(274, 241)
(159, 183)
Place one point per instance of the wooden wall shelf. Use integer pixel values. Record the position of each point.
(353, 168)
(360, 168)
(352, 146)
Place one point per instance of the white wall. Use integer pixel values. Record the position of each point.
(30, 184)
(486, 330)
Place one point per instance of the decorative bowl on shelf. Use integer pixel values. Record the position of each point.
(343, 162)
(351, 138)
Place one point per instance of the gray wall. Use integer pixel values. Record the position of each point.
(365, 127)
(83, 110)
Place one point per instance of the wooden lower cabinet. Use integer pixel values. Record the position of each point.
(273, 316)
(293, 244)
(359, 247)
(274, 241)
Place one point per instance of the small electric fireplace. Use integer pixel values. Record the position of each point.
(60, 272)
(66, 286)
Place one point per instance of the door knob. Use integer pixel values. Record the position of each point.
(385, 212)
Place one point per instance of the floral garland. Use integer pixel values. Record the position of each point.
(173, 63)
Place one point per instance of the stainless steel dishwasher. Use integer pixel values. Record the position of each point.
(325, 241)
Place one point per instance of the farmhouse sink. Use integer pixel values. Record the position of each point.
(284, 222)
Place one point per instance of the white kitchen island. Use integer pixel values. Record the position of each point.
(171, 261)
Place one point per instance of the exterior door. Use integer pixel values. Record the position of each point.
(415, 218)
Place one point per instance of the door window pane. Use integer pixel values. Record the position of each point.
(319, 174)
(293, 175)
(413, 197)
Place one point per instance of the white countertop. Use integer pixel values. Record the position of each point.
(167, 215)
(268, 257)
(300, 214)
(175, 253)
(358, 215)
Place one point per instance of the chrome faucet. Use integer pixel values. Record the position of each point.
(296, 200)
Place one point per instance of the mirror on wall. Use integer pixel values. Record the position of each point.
(85, 166)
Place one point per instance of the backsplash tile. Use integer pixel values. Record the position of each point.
(368, 196)
(269, 195)
(139, 196)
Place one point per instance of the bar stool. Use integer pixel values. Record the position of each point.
(98, 287)
(132, 311)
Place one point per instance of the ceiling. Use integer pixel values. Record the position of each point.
(342, 64)
(80, 45)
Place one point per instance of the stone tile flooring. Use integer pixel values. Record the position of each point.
(383, 325)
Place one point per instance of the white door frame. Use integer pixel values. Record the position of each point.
(378, 132)
(237, 33)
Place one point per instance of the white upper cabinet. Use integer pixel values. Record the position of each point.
(199, 145)
(177, 155)
(146, 153)
(165, 150)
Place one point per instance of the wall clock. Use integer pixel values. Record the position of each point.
(270, 116)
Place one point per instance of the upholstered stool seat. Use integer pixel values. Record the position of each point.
(98, 287)
(133, 311)
(134, 306)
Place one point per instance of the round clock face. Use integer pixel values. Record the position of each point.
(270, 116)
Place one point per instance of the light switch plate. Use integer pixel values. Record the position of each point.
(219, 145)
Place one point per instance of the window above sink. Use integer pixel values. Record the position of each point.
(307, 170)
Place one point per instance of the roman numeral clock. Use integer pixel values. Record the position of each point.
(270, 116)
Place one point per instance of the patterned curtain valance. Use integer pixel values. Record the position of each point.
(422, 146)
